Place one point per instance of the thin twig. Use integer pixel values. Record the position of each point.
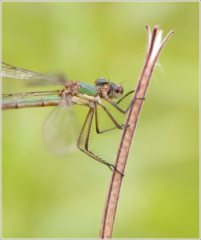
(153, 49)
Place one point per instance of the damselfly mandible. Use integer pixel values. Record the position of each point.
(72, 92)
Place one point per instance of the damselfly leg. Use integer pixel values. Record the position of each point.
(86, 129)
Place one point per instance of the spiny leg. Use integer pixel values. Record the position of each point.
(86, 143)
(126, 95)
(111, 117)
(115, 104)
(117, 125)
(97, 122)
(96, 115)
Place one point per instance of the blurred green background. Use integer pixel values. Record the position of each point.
(45, 196)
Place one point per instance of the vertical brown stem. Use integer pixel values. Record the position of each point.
(154, 47)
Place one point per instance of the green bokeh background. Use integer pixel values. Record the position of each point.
(45, 196)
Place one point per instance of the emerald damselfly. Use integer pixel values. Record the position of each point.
(72, 92)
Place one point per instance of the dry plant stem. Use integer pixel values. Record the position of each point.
(154, 47)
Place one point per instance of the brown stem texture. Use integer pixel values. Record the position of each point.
(153, 49)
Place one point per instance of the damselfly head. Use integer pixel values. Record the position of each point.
(113, 90)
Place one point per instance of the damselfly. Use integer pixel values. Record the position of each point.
(72, 92)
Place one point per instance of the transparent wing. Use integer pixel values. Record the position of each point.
(20, 73)
(61, 130)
